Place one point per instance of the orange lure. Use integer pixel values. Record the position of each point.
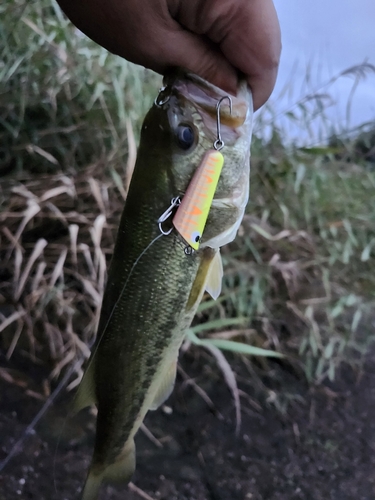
(191, 216)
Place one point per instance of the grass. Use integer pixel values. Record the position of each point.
(299, 278)
(64, 100)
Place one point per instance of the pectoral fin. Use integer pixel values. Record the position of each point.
(215, 276)
(199, 284)
(166, 386)
(85, 395)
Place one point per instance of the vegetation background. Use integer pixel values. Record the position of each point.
(298, 279)
(297, 303)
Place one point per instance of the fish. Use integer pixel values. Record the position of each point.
(156, 280)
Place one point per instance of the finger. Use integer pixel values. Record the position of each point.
(253, 45)
(196, 54)
(247, 33)
(151, 38)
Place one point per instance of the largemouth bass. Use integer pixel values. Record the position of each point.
(154, 284)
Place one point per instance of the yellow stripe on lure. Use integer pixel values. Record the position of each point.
(191, 216)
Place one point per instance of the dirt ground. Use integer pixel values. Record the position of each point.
(294, 442)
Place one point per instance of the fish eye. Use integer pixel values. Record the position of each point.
(185, 136)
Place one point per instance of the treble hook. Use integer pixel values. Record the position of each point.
(219, 143)
(164, 216)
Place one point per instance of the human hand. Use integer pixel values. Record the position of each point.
(212, 38)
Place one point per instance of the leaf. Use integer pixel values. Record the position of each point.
(230, 379)
(230, 345)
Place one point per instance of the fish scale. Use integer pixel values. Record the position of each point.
(153, 287)
(170, 293)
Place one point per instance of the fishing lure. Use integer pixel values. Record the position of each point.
(192, 212)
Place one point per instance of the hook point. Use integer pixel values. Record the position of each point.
(219, 143)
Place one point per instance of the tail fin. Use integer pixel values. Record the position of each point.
(119, 471)
(92, 486)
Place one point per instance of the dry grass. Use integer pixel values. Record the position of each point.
(300, 286)
(299, 279)
(56, 234)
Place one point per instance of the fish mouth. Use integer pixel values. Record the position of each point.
(235, 120)
(205, 96)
